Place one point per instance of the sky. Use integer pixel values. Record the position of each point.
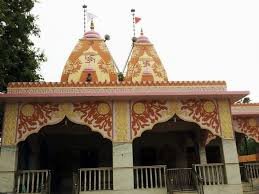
(195, 39)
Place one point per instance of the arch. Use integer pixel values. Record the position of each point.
(203, 112)
(248, 126)
(170, 141)
(33, 116)
(206, 138)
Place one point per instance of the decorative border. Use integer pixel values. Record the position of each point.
(217, 84)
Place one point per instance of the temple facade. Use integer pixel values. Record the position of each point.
(93, 132)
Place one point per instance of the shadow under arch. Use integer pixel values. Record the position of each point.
(64, 148)
(174, 142)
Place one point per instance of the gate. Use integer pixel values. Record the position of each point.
(183, 179)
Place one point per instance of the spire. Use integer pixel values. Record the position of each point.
(141, 32)
(84, 7)
(92, 25)
(133, 21)
(90, 60)
(144, 63)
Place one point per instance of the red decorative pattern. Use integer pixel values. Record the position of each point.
(245, 126)
(151, 113)
(91, 116)
(39, 116)
(197, 111)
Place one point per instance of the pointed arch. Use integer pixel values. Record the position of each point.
(204, 112)
(34, 116)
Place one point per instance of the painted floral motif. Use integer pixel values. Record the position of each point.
(72, 67)
(33, 115)
(145, 114)
(102, 66)
(96, 114)
(248, 126)
(204, 112)
(143, 56)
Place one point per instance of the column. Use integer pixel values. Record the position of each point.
(231, 162)
(229, 150)
(8, 154)
(8, 165)
(202, 153)
(122, 148)
(122, 166)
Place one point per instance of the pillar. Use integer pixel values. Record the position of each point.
(231, 162)
(8, 165)
(229, 149)
(202, 153)
(9, 151)
(122, 166)
(122, 148)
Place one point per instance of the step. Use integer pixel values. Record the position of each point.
(184, 192)
(247, 187)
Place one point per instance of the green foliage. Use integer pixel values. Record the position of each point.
(245, 100)
(120, 76)
(19, 59)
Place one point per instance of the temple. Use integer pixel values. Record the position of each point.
(95, 132)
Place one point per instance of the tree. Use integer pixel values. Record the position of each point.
(19, 58)
(246, 100)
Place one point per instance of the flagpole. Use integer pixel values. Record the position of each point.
(133, 20)
(84, 7)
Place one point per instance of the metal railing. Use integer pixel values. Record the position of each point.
(198, 181)
(184, 179)
(180, 179)
(91, 179)
(211, 174)
(244, 174)
(33, 181)
(149, 177)
(250, 173)
(252, 170)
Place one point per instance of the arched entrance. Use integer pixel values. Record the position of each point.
(63, 149)
(174, 145)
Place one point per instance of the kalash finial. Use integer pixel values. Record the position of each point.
(141, 32)
(92, 24)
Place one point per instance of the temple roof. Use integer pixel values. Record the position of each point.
(125, 90)
(144, 63)
(90, 60)
(245, 109)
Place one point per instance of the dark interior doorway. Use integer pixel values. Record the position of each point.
(213, 154)
(173, 143)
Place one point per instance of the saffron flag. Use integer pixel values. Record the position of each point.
(90, 16)
(137, 19)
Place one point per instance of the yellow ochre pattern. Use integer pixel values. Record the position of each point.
(145, 64)
(10, 124)
(90, 56)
